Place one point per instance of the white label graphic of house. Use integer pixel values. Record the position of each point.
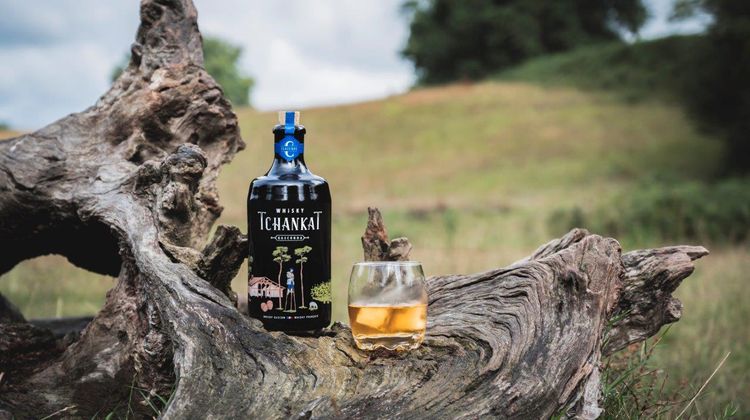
(264, 287)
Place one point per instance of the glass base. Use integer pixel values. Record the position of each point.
(398, 341)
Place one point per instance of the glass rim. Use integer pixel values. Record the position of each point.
(387, 263)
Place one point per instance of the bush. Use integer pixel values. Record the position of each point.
(686, 211)
(661, 68)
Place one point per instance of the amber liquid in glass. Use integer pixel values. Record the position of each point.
(394, 327)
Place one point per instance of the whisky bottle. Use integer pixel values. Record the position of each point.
(289, 229)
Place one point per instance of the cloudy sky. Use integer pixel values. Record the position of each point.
(56, 56)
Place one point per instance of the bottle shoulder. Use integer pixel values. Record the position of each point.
(288, 180)
(289, 187)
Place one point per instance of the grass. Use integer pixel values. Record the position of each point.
(633, 388)
(714, 322)
(6, 133)
(49, 286)
(471, 174)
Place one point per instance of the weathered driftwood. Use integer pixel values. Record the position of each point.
(127, 187)
(375, 242)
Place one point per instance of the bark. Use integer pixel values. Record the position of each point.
(375, 242)
(127, 187)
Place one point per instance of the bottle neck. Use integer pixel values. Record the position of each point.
(282, 166)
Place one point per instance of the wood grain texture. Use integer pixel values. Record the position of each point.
(127, 187)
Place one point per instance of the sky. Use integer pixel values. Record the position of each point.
(56, 56)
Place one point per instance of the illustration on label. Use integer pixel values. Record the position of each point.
(289, 274)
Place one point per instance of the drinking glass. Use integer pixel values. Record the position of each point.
(387, 305)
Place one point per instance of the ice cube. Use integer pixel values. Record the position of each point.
(373, 317)
(410, 318)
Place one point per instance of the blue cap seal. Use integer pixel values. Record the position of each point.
(289, 147)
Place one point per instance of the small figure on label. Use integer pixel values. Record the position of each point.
(290, 302)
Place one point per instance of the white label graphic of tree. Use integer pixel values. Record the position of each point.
(280, 256)
(301, 254)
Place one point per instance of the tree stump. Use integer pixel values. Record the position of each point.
(127, 188)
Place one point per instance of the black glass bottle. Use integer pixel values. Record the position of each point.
(289, 227)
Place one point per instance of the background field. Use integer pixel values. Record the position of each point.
(477, 176)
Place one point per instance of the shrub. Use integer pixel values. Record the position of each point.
(685, 211)
(322, 292)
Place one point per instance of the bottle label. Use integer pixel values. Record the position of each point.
(289, 148)
(290, 261)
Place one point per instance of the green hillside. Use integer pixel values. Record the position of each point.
(472, 174)
(475, 169)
